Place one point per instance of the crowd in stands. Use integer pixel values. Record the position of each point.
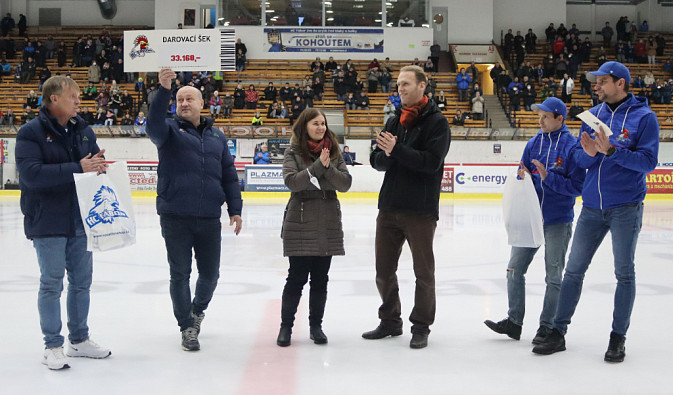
(559, 72)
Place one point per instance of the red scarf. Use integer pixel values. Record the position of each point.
(317, 146)
(409, 114)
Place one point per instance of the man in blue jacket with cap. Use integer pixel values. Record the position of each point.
(617, 161)
(196, 176)
(547, 159)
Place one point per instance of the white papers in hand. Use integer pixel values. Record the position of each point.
(594, 123)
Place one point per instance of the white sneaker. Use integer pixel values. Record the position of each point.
(55, 359)
(89, 349)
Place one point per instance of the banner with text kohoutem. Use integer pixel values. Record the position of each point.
(323, 40)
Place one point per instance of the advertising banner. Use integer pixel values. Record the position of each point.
(143, 175)
(178, 49)
(264, 178)
(447, 180)
(323, 40)
(482, 179)
(477, 53)
(660, 181)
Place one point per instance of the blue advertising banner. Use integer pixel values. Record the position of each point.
(265, 178)
(323, 40)
(232, 147)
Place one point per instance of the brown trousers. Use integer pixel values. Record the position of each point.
(393, 228)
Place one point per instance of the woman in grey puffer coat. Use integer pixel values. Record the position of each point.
(314, 170)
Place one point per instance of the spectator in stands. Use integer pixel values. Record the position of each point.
(552, 85)
(318, 88)
(262, 156)
(22, 25)
(307, 81)
(251, 97)
(297, 108)
(668, 67)
(320, 74)
(273, 111)
(87, 116)
(529, 95)
(28, 114)
(620, 51)
(241, 46)
(463, 80)
(28, 71)
(239, 97)
(574, 111)
(8, 117)
(215, 103)
(508, 44)
(270, 92)
(28, 50)
(45, 74)
(514, 84)
(307, 96)
(607, 34)
(141, 121)
(330, 65)
(349, 157)
(387, 65)
(286, 92)
(87, 53)
(127, 102)
(567, 85)
(102, 57)
(5, 68)
(240, 61)
(372, 79)
(476, 89)
(478, 106)
(50, 47)
(395, 99)
(601, 57)
(99, 119)
(31, 99)
(667, 92)
(385, 80)
(40, 55)
(349, 102)
(110, 118)
(640, 51)
(585, 85)
(363, 101)
(561, 66)
(550, 32)
(651, 49)
(93, 73)
(118, 70)
(429, 67)
(531, 41)
(416, 62)
(257, 119)
(316, 64)
(649, 79)
(388, 111)
(106, 72)
(440, 100)
(127, 120)
(473, 71)
(7, 24)
(115, 103)
(102, 100)
(515, 99)
(458, 119)
(435, 52)
(340, 88)
(495, 74)
(661, 44)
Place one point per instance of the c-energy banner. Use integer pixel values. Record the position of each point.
(323, 40)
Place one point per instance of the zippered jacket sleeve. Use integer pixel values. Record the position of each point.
(644, 157)
(230, 184)
(157, 129)
(34, 172)
(568, 183)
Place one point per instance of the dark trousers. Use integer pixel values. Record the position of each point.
(183, 234)
(300, 268)
(393, 228)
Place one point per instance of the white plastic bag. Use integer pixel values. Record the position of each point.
(522, 213)
(106, 208)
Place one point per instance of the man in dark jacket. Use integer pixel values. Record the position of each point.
(196, 176)
(411, 150)
(49, 150)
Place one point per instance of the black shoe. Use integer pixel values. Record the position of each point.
(419, 340)
(190, 340)
(284, 336)
(381, 331)
(616, 348)
(318, 336)
(554, 342)
(505, 327)
(541, 334)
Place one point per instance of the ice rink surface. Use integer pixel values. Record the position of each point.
(131, 314)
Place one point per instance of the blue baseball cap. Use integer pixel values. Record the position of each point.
(611, 68)
(552, 104)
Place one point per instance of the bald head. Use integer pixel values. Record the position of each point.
(189, 104)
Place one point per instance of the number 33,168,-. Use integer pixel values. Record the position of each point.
(184, 58)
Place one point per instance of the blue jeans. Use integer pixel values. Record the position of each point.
(56, 256)
(557, 237)
(182, 234)
(624, 223)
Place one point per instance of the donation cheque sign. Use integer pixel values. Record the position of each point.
(179, 49)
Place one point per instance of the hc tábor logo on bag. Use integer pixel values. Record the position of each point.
(106, 208)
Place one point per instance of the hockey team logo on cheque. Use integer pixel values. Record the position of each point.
(105, 209)
(141, 46)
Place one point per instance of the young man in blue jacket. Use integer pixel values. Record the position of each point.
(547, 159)
(196, 176)
(613, 201)
(49, 150)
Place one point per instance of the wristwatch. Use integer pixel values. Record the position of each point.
(610, 151)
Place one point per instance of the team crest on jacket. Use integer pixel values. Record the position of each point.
(558, 164)
(624, 137)
(141, 46)
(106, 208)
